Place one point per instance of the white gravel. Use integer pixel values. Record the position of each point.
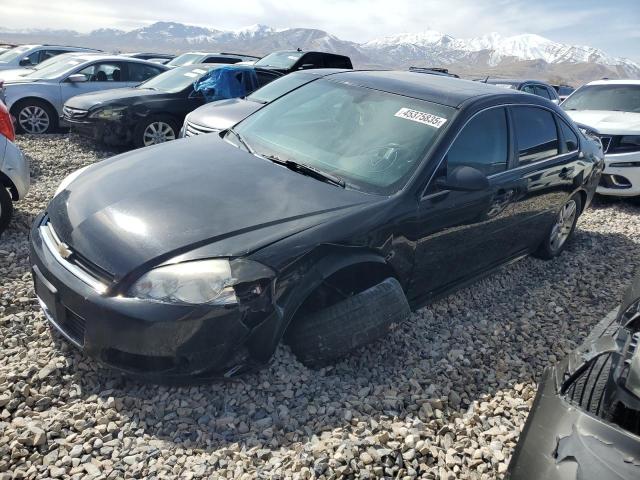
(444, 396)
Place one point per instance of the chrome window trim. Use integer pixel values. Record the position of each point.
(52, 241)
(424, 196)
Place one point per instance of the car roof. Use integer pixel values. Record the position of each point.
(90, 56)
(615, 82)
(513, 81)
(448, 91)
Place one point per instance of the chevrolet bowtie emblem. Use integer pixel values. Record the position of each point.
(64, 250)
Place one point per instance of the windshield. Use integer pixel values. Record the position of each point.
(372, 139)
(279, 59)
(55, 69)
(185, 59)
(280, 86)
(14, 53)
(624, 98)
(176, 80)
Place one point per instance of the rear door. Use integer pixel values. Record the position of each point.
(547, 167)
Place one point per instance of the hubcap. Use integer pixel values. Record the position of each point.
(564, 223)
(33, 119)
(158, 132)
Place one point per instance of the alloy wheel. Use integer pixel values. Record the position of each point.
(158, 132)
(564, 223)
(34, 119)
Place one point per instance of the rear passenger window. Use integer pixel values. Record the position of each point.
(482, 144)
(536, 134)
(139, 72)
(570, 138)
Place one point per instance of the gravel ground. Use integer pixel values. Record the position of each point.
(444, 396)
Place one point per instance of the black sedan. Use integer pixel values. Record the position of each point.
(585, 421)
(320, 219)
(153, 111)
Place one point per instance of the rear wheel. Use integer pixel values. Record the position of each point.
(34, 117)
(561, 230)
(6, 208)
(321, 336)
(154, 130)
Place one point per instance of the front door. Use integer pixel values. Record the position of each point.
(100, 76)
(459, 234)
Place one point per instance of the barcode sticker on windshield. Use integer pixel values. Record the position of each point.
(421, 117)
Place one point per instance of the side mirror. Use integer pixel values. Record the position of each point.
(25, 62)
(464, 179)
(77, 78)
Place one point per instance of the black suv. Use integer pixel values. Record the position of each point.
(289, 61)
(535, 87)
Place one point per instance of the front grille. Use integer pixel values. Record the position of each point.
(618, 144)
(73, 113)
(74, 263)
(195, 129)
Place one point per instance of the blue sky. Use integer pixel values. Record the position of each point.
(613, 26)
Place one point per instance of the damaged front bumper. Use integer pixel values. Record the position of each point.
(561, 441)
(159, 342)
(116, 133)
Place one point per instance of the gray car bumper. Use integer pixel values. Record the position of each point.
(15, 166)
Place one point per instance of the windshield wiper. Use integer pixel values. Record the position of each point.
(308, 170)
(241, 140)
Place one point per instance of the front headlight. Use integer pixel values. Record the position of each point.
(68, 179)
(108, 113)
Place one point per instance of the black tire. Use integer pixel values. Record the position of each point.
(141, 127)
(546, 251)
(331, 333)
(34, 103)
(6, 208)
(589, 388)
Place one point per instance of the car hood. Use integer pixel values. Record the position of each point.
(14, 74)
(139, 209)
(121, 96)
(223, 113)
(608, 122)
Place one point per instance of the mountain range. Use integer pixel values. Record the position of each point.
(525, 55)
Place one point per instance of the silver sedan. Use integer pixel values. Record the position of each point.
(36, 99)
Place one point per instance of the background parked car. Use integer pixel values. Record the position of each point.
(191, 58)
(17, 73)
(288, 61)
(161, 58)
(30, 55)
(36, 99)
(534, 87)
(14, 169)
(317, 220)
(586, 416)
(216, 116)
(612, 108)
(153, 112)
(563, 91)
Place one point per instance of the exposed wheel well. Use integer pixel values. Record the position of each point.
(6, 182)
(344, 283)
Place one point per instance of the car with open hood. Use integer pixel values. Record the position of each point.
(318, 220)
(14, 169)
(612, 108)
(222, 114)
(36, 99)
(153, 111)
(585, 420)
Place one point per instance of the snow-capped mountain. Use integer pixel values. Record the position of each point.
(522, 55)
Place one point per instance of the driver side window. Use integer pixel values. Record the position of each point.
(103, 72)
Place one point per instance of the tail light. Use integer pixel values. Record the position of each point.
(6, 123)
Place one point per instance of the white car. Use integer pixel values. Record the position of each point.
(14, 169)
(17, 73)
(31, 55)
(612, 108)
